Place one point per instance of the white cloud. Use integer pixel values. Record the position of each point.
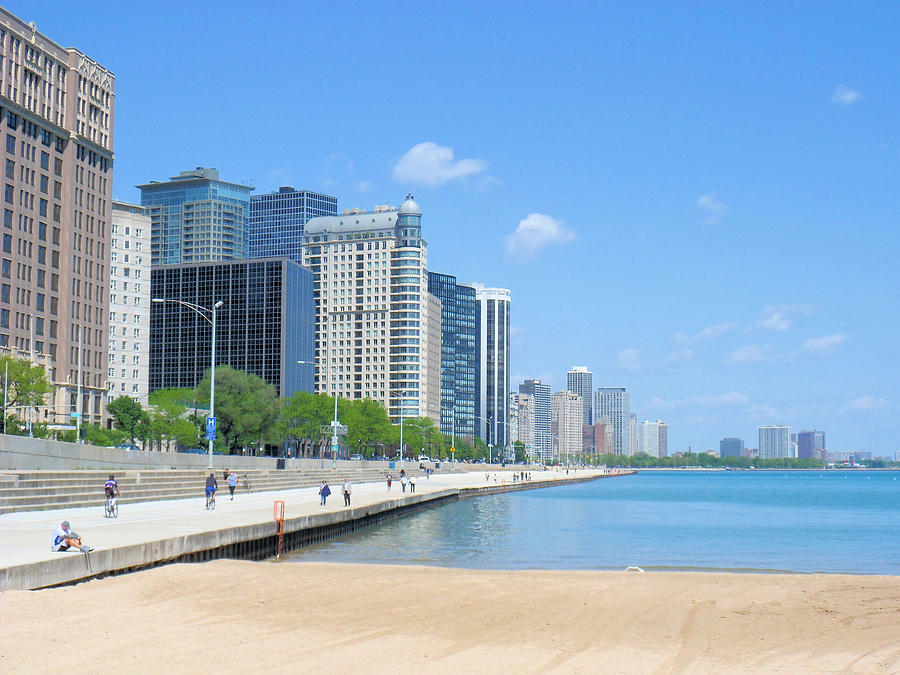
(865, 404)
(363, 186)
(844, 95)
(731, 398)
(433, 165)
(750, 354)
(630, 359)
(781, 317)
(708, 333)
(822, 346)
(715, 208)
(535, 233)
(676, 356)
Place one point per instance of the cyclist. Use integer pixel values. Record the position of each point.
(111, 488)
(211, 485)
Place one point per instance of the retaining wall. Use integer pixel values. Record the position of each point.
(248, 542)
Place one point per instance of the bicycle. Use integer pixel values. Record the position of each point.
(245, 483)
(211, 502)
(111, 508)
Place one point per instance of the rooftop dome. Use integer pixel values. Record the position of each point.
(409, 207)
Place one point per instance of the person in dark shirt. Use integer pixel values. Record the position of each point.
(211, 486)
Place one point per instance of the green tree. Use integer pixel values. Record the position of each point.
(97, 435)
(368, 425)
(27, 384)
(128, 416)
(246, 408)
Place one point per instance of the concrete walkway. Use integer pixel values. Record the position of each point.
(25, 537)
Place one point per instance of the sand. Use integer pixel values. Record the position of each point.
(230, 616)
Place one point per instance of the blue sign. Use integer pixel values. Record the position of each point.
(210, 428)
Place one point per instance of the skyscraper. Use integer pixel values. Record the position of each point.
(654, 438)
(525, 419)
(613, 402)
(492, 383)
(731, 447)
(196, 217)
(58, 106)
(578, 380)
(459, 357)
(540, 418)
(378, 329)
(129, 303)
(566, 422)
(774, 442)
(810, 444)
(264, 327)
(277, 220)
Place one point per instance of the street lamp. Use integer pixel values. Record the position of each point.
(202, 311)
(400, 393)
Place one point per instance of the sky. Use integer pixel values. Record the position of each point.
(699, 202)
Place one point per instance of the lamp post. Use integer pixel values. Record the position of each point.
(201, 310)
(400, 393)
(421, 428)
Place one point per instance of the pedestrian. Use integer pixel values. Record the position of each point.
(390, 479)
(346, 490)
(412, 483)
(324, 491)
(428, 474)
(402, 473)
(402, 483)
(232, 483)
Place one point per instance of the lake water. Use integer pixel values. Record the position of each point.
(751, 521)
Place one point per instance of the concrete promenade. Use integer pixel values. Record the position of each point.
(154, 532)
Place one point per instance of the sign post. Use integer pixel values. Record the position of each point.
(210, 428)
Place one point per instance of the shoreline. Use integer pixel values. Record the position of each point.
(380, 618)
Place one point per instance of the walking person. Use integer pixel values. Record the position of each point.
(232, 483)
(403, 483)
(390, 478)
(346, 489)
(412, 483)
(324, 491)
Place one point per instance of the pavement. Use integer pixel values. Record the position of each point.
(25, 536)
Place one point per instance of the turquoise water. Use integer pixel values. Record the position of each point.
(790, 521)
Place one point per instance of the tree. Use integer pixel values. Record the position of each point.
(304, 415)
(246, 407)
(27, 384)
(519, 448)
(367, 424)
(128, 416)
(94, 434)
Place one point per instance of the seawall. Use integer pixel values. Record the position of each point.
(249, 541)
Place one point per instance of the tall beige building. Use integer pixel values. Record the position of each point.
(566, 421)
(56, 108)
(378, 330)
(129, 303)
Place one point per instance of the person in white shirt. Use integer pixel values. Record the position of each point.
(346, 489)
(64, 538)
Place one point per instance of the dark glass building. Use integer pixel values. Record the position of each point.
(264, 327)
(731, 447)
(459, 355)
(277, 221)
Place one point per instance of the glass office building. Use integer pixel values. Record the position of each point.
(277, 220)
(492, 377)
(265, 326)
(196, 217)
(459, 356)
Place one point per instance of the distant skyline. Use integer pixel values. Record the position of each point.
(698, 202)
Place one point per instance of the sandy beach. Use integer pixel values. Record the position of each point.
(279, 617)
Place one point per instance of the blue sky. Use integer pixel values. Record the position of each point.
(697, 202)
